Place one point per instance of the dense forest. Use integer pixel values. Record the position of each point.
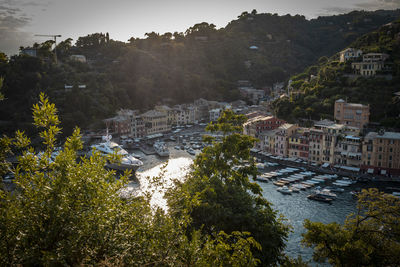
(315, 90)
(173, 67)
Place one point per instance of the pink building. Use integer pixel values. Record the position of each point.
(282, 139)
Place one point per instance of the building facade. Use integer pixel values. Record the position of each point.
(348, 151)
(351, 114)
(315, 146)
(155, 122)
(350, 54)
(299, 144)
(282, 139)
(381, 152)
(256, 125)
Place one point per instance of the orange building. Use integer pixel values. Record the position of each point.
(351, 114)
(381, 153)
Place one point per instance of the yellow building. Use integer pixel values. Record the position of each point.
(169, 112)
(155, 122)
(381, 152)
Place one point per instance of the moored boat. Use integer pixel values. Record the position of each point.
(161, 149)
(284, 190)
(320, 198)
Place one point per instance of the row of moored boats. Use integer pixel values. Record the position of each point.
(292, 180)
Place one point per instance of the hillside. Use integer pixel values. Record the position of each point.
(316, 89)
(175, 67)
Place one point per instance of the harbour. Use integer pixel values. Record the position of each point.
(295, 207)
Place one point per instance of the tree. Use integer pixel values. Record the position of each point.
(221, 197)
(371, 237)
(66, 211)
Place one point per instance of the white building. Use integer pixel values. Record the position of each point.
(214, 114)
(350, 54)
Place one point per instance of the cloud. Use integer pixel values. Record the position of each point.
(12, 23)
(379, 4)
(369, 5)
(328, 11)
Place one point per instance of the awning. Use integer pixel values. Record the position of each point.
(383, 172)
(353, 169)
(325, 165)
(370, 171)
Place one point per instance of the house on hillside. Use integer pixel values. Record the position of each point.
(371, 64)
(351, 114)
(349, 54)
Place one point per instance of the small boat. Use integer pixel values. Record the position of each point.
(300, 186)
(262, 178)
(279, 183)
(340, 184)
(326, 193)
(294, 189)
(335, 189)
(161, 149)
(284, 190)
(191, 151)
(260, 166)
(318, 197)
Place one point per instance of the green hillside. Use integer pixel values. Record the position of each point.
(174, 67)
(316, 89)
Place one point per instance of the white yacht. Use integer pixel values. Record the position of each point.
(127, 161)
(326, 193)
(161, 149)
(284, 190)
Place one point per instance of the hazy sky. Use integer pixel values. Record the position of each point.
(21, 19)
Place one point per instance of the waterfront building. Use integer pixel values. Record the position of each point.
(120, 124)
(348, 151)
(267, 141)
(169, 112)
(138, 128)
(281, 139)
(331, 132)
(184, 114)
(351, 114)
(201, 109)
(299, 144)
(255, 125)
(381, 153)
(214, 114)
(315, 151)
(155, 122)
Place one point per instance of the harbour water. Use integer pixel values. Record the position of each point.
(157, 175)
(295, 207)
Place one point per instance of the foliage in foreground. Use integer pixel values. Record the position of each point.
(371, 237)
(220, 195)
(65, 211)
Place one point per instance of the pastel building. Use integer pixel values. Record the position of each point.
(315, 140)
(299, 144)
(351, 114)
(381, 153)
(348, 151)
(282, 139)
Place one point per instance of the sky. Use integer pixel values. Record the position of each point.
(20, 20)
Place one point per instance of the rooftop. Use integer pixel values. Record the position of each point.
(385, 135)
(153, 113)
